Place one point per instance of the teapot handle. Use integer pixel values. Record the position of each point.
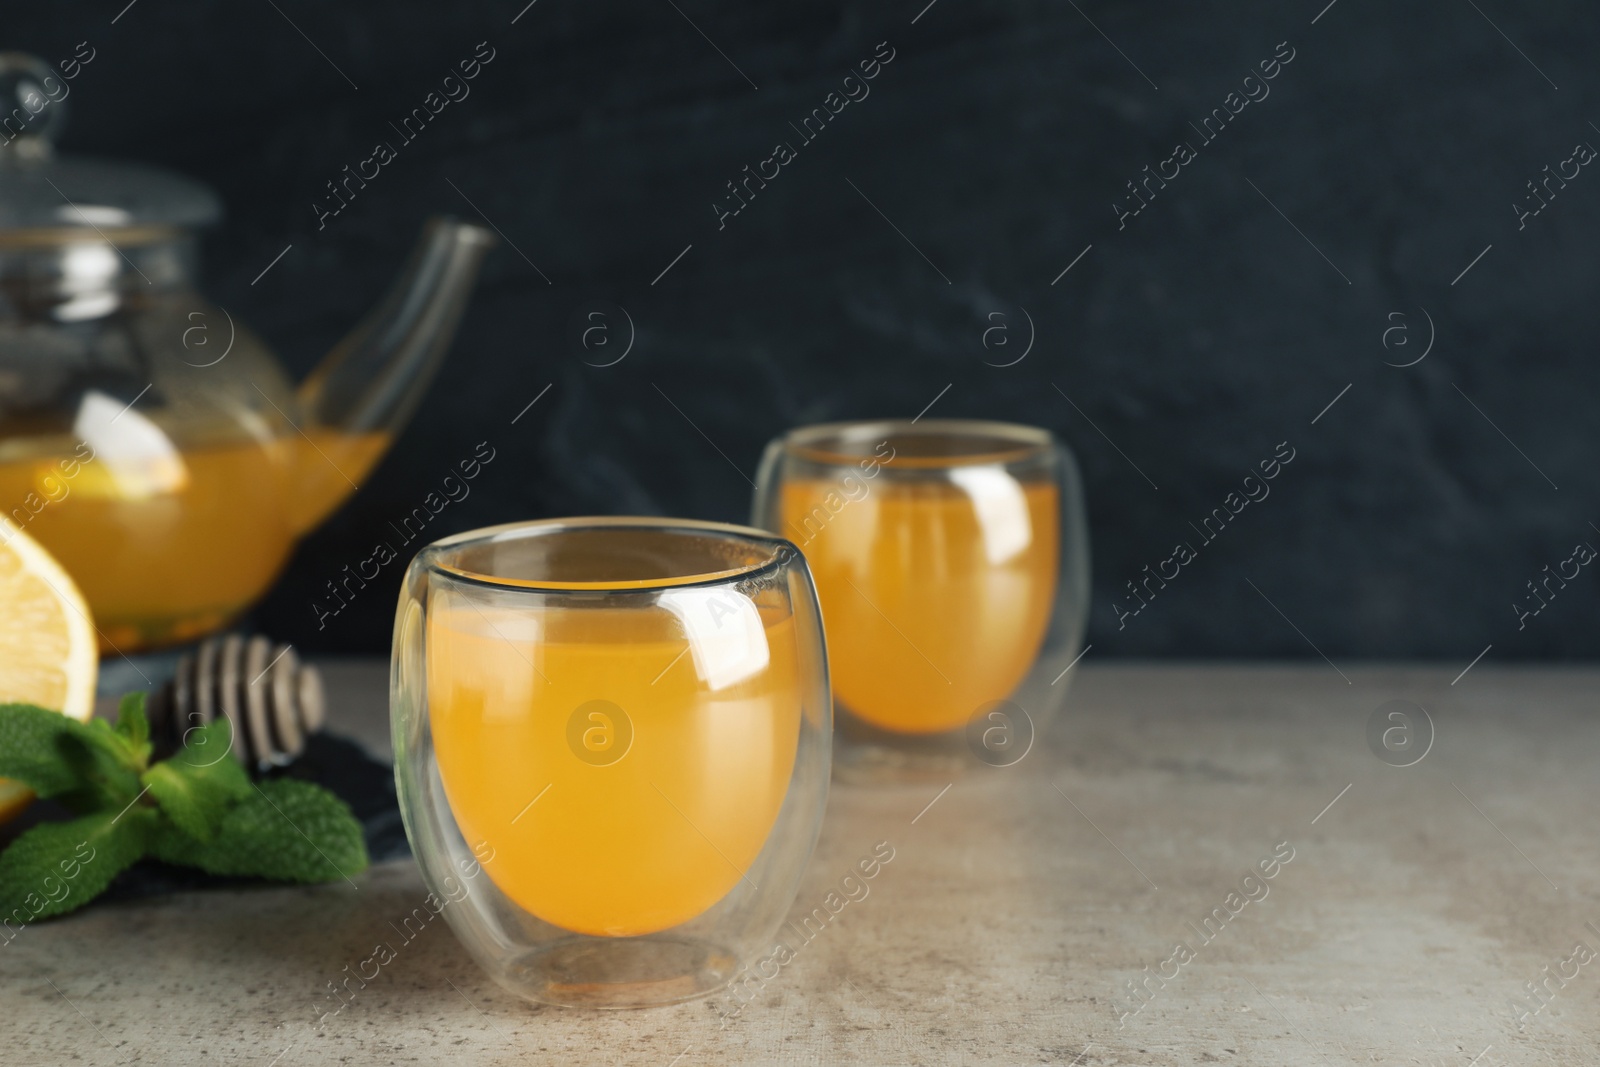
(33, 104)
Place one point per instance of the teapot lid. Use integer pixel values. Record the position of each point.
(42, 191)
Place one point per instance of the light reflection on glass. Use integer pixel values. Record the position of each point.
(725, 632)
(1001, 510)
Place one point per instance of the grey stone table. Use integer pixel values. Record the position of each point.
(1409, 912)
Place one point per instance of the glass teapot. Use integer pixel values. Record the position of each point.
(147, 439)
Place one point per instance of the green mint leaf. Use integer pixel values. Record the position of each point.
(198, 786)
(31, 739)
(58, 867)
(134, 726)
(185, 801)
(87, 766)
(211, 746)
(107, 736)
(106, 765)
(285, 829)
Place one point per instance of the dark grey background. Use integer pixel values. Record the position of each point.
(1196, 339)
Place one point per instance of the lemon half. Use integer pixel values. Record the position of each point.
(48, 653)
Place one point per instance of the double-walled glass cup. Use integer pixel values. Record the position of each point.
(612, 744)
(952, 561)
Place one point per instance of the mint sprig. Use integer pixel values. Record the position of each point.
(198, 809)
(199, 785)
(285, 829)
(58, 867)
(86, 765)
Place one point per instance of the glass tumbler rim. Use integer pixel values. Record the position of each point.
(829, 443)
(770, 554)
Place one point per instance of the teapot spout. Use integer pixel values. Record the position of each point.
(366, 389)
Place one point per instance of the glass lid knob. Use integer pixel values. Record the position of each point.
(40, 190)
(33, 104)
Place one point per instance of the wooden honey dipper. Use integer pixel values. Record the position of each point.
(272, 699)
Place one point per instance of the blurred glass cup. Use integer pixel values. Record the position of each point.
(952, 561)
(612, 748)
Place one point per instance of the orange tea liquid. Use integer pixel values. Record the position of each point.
(935, 596)
(171, 546)
(592, 830)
